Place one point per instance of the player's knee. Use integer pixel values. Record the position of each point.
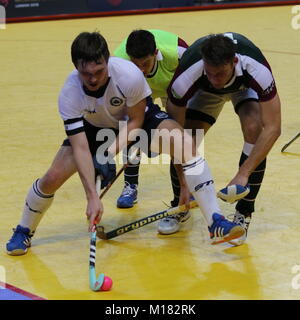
(51, 181)
(250, 118)
(251, 131)
(251, 122)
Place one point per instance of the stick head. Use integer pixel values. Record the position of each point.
(101, 233)
(96, 284)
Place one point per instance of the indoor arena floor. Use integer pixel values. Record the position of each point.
(35, 61)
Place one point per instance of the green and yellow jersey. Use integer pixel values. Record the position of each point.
(170, 49)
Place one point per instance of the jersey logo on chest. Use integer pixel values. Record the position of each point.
(116, 101)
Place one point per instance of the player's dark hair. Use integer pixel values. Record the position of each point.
(140, 44)
(88, 47)
(218, 50)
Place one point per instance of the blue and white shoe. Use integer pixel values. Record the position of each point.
(223, 230)
(19, 242)
(128, 196)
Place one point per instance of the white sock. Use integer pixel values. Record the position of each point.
(247, 148)
(36, 204)
(201, 185)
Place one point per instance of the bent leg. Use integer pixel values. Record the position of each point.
(251, 125)
(40, 195)
(196, 171)
(61, 169)
(192, 125)
(39, 199)
(200, 183)
(202, 112)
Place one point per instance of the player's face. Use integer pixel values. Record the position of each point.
(145, 64)
(218, 76)
(93, 75)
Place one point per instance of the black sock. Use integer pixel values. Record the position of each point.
(247, 205)
(175, 185)
(131, 172)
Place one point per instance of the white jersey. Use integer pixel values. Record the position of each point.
(126, 87)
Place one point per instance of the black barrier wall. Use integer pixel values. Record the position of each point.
(30, 8)
(19, 10)
(112, 5)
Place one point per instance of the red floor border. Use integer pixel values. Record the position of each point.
(151, 11)
(20, 291)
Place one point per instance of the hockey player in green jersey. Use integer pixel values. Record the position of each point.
(157, 54)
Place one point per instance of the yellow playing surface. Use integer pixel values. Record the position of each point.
(35, 60)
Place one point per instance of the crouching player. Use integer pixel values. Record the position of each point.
(97, 95)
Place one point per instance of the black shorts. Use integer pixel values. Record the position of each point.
(153, 117)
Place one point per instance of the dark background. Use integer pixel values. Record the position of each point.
(35, 8)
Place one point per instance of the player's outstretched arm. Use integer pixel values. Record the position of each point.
(85, 167)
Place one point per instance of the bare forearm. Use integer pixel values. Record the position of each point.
(86, 171)
(85, 168)
(271, 118)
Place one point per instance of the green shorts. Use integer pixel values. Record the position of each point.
(206, 106)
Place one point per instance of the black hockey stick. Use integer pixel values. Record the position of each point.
(290, 142)
(141, 222)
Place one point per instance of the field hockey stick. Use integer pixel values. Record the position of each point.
(102, 282)
(290, 142)
(141, 222)
(98, 183)
(95, 284)
(112, 181)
